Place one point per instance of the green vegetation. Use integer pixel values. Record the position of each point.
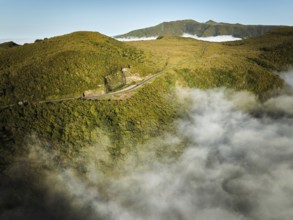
(71, 126)
(210, 28)
(257, 82)
(70, 64)
(65, 66)
(246, 64)
(273, 50)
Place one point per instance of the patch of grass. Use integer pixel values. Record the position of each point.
(258, 82)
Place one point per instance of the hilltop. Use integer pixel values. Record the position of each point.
(8, 45)
(66, 66)
(207, 29)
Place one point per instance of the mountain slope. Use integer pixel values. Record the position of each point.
(65, 66)
(242, 65)
(209, 28)
(71, 126)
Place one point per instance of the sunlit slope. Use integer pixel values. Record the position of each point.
(65, 66)
(247, 64)
(274, 49)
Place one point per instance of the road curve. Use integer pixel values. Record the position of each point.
(134, 87)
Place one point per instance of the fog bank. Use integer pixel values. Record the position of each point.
(288, 77)
(136, 38)
(220, 38)
(234, 165)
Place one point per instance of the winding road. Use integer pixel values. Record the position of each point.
(125, 90)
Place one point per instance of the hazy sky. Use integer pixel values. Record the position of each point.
(24, 19)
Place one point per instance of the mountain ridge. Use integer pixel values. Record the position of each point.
(206, 29)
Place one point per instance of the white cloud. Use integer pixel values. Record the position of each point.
(288, 77)
(220, 38)
(136, 38)
(283, 103)
(233, 166)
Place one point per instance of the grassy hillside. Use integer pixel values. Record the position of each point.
(275, 49)
(247, 64)
(71, 63)
(210, 28)
(65, 66)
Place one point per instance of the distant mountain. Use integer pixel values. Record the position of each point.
(207, 29)
(8, 45)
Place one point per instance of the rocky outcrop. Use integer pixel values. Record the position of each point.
(130, 77)
(94, 92)
(115, 81)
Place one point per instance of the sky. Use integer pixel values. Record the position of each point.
(32, 19)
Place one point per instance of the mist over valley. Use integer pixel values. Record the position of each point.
(159, 123)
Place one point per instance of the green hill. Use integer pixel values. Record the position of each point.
(240, 65)
(68, 65)
(8, 45)
(209, 28)
(65, 66)
(275, 47)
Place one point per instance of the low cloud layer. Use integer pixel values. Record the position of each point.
(288, 77)
(236, 164)
(220, 38)
(136, 38)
